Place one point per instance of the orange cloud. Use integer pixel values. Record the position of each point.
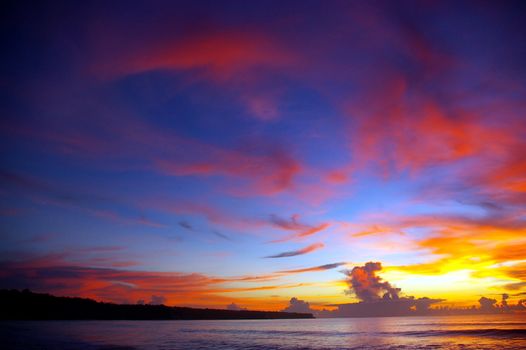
(489, 246)
(52, 274)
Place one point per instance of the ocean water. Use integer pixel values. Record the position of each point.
(455, 332)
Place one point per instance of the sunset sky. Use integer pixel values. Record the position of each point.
(210, 152)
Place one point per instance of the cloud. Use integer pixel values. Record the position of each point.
(297, 305)
(515, 286)
(234, 307)
(261, 107)
(380, 298)
(315, 268)
(56, 275)
(367, 286)
(487, 304)
(265, 174)
(302, 251)
(263, 169)
(186, 225)
(154, 300)
(213, 214)
(157, 300)
(302, 230)
(403, 306)
(505, 298)
(49, 193)
(221, 235)
(222, 54)
(492, 238)
(231, 59)
(10, 211)
(377, 297)
(415, 86)
(287, 224)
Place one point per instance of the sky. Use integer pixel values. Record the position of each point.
(242, 153)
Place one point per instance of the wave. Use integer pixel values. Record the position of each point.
(490, 332)
(269, 332)
(466, 324)
(486, 332)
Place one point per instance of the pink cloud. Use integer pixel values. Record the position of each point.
(223, 54)
(54, 274)
(301, 230)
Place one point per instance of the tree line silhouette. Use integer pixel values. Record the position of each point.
(26, 305)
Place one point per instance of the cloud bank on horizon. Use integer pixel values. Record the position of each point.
(379, 298)
(163, 150)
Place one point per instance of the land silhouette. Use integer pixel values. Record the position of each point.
(26, 305)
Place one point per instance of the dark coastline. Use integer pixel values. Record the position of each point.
(26, 305)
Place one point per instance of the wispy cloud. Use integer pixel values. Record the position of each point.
(221, 235)
(302, 230)
(306, 250)
(315, 268)
(41, 191)
(186, 225)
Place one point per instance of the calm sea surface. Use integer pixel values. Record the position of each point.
(458, 332)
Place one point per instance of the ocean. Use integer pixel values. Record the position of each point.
(454, 332)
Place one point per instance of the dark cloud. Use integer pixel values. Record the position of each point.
(403, 306)
(302, 251)
(377, 297)
(292, 224)
(367, 286)
(34, 186)
(234, 307)
(287, 224)
(221, 235)
(487, 304)
(186, 225)
(297, 305)
(515, 286)
(330, 266)
(505, 298)
(380, 298)
(154, 300)
(157, 300)
(315, 268)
